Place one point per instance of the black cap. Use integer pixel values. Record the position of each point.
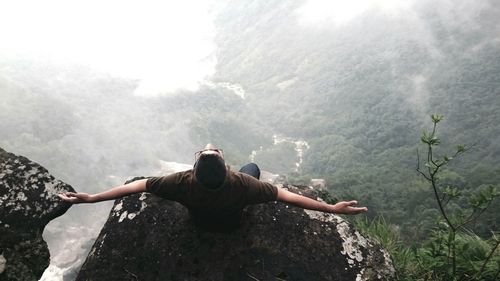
(210, 170)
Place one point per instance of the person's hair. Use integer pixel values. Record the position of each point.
(210, 170)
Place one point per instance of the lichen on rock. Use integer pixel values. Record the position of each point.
(2, 263)
(275, 242)
(28, 200)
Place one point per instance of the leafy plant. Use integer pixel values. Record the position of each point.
(444, 247)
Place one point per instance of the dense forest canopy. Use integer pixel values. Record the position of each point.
(357, 91)
(360, 93)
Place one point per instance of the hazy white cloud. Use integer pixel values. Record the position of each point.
(236, 89)
(166, 44)
(339, 12)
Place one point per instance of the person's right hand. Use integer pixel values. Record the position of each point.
(75, 198)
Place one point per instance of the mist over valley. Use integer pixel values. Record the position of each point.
(305, 89)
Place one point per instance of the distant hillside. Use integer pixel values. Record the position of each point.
(358, 93)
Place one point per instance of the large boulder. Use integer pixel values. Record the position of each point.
(149, 238)
(28, 201)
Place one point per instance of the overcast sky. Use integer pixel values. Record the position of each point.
(137, 39)
(147, 40)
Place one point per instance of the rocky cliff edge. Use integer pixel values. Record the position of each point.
(28, 201)
(149, 238)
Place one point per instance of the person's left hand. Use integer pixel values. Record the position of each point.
(348, 208)
(75, 198)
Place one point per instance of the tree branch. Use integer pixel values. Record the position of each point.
(488, 259)
(418, 167)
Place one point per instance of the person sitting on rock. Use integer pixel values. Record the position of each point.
(214, 195)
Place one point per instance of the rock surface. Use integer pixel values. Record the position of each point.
(149, 238)
(28, 201)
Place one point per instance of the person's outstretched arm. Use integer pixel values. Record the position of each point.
(343, 207)
(115, 192)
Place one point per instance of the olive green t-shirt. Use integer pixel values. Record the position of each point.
(214, 209)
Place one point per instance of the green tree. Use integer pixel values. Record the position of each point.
(445, 243)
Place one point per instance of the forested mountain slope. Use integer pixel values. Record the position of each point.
(360, 92)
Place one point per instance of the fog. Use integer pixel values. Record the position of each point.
(147, 41)
(98, 92)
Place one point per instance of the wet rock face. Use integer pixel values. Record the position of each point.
(28, 201)
(149, 238)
